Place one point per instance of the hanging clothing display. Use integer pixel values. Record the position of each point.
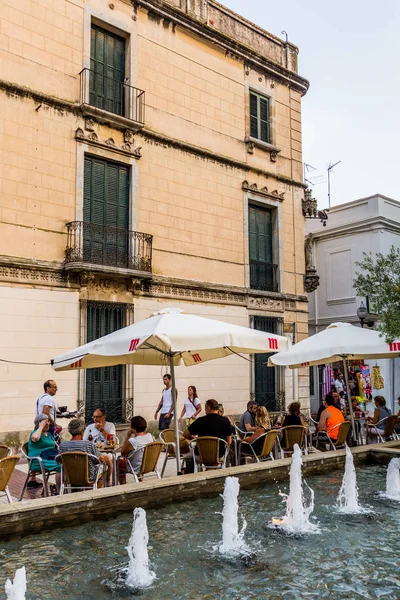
(377, 379)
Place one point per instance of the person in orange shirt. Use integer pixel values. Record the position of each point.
(330, 417)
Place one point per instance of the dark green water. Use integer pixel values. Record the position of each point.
(353, 557)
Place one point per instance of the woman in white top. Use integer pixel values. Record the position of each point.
(192, 406)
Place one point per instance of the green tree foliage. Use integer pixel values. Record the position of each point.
(380, 281)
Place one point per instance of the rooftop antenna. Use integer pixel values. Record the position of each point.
(329, 169)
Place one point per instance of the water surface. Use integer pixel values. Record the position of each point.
(354, 556)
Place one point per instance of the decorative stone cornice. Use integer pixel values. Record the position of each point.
(92, 138)
(231, 45)
(254, 189)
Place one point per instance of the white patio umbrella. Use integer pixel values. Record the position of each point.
(338, 342)
(170, 337)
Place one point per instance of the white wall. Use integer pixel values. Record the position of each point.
(35, 326)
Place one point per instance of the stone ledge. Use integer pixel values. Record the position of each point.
(22, 518)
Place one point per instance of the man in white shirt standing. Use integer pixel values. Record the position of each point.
(45, 404)
(339, 383)
(97, 432)
(165, 406)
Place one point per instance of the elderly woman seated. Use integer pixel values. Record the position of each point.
(42, 444)
(77, 444)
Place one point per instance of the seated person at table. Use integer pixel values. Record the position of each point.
(381, 412)
(76, 428)
(357, 409)
(294, 417)
(211, 425)
(330, 417)
(221, 412)
(248, 418)
(42, 444)
(342, 401)
(135, 441)
(100, 428)
(263, 425)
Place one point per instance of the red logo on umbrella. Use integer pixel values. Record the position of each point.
(196, 358)
(76, 365)
(394, 347)
(134, 344)
(273, 343)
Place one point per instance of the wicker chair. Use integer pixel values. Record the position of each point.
(5, 451)
(387, 434)
(45, 473)
(247, 449)
(167, 436)
(325, 437)
(75, 471)
(209, 454)
(151, 454)
(293, 434)
(7, 466)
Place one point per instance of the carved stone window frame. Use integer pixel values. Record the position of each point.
(81, 150)
(254, 199)
(129, 370)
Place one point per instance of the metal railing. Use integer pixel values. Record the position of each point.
(112, 95)
(110, 246)
(263, 276)
(273, 401)
(118, 410)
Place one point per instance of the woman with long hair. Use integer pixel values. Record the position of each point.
(263, 425)
(192, 407)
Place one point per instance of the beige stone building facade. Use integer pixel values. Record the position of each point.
(150, 157)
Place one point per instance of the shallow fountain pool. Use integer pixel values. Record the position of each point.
(353, 556)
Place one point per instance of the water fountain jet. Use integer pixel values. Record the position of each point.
(392, 480)
(297, 518)
(138, 574)
(16, 589)
(347, 500)
(233, 543)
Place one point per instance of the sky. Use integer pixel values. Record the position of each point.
(350, 53)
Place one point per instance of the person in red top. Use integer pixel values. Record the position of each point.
(330, 417)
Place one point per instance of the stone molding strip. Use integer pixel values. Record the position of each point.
(92, 138)
(60, 106)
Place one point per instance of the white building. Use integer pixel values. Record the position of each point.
(367, 225)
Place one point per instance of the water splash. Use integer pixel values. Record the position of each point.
(138, 573)
(232, 539)
(16, 590)
(347, 500)
(392, 481)
(298, 512)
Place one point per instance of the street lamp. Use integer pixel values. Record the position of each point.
(362, 313)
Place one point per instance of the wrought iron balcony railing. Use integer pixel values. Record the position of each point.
(108, 246)
(263, 276)
(111, 95)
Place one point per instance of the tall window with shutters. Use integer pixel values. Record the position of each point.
(107, 70)
(263, 271)
(106, 213)
(104, 385)
(260, 123)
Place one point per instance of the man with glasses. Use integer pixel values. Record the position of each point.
(97, 431)
(248, 418)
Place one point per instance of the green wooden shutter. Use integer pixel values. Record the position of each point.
(253, 116)
(259, 117)
(106, 208)
(104, 386)
(107, 65)
(262, 270)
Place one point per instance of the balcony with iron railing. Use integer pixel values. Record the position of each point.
(111, 249)
(111, 100)
(264, 276)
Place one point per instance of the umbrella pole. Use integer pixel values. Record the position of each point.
(172, 369)
(346, 377)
